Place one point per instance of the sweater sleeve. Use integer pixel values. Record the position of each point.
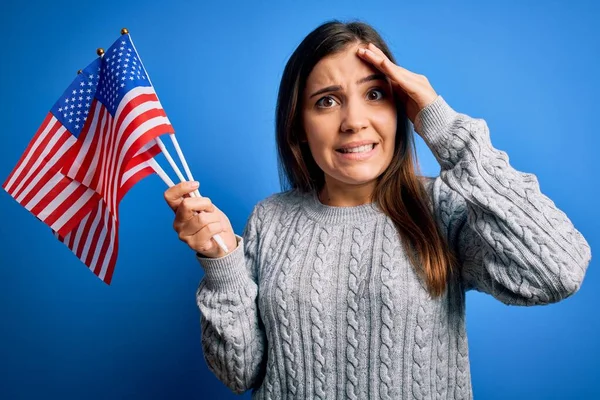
(233, 339)
(511, 241)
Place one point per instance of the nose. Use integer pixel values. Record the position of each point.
(354, 117)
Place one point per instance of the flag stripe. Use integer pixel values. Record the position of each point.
(26, 156)
(57, 134)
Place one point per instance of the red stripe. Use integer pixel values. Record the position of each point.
(67, 203)
(37, 180)
(28, 149)
(102, 140)
(90, 151)
(135, 178)
(85, 232)
(80, 214)
(106, 242)
(113, 260)
(94, 242)
(36, 155)
(136, 146)
(55, 191)
(102, 168)
(71, 240)
(133, 104)
(138, 143)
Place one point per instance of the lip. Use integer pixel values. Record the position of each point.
(356, 144)
(358, 156)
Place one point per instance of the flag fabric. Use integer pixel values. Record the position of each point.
(97, 142)
(36, 181)
(95, 240)
(127, 115)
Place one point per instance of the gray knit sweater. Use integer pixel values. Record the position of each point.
(321, 302)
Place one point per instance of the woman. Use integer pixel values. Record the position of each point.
(351, 284)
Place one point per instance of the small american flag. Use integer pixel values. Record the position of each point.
(97, 141)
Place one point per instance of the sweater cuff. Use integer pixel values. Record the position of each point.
(227, 273)
(433, 122)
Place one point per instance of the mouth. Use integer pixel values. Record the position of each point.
(358, 149)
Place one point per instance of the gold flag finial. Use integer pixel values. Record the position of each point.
(124, 31)
(79, 71)
(100, 51)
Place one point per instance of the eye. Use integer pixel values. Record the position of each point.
(375, 94)
(326, 102)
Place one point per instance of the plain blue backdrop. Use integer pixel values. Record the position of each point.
(530, 69)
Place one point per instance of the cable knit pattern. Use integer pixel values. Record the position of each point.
(321, 302)
(317, 317)
(356, 284)
(388, 308)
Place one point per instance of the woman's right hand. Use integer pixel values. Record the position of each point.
(197, 220)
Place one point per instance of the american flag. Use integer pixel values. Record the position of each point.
(97, 141)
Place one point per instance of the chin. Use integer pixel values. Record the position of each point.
(358, 179)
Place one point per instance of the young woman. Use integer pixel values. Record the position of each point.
(351, 284)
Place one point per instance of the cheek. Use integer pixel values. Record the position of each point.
(385, 122)
(320, 131)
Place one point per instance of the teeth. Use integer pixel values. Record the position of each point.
(360, 149)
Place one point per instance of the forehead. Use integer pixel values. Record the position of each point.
(340, 68)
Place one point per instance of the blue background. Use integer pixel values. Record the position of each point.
(530, 69)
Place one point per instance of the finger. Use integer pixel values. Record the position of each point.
(400, 76)
(204, 235)
(189, 206)
(377, 50)
(175, 194)
(197, 222)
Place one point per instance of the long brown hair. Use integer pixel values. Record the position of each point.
(399, 191)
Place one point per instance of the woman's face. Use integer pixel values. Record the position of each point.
(349, 119)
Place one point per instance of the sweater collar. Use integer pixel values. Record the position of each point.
(338, 215)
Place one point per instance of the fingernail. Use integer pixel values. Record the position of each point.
(194, 184)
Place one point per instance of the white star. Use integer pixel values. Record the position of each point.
(70, 120)
(131, 77)
(122, 84)
(81, 83)
(74, 91)
(60, 109)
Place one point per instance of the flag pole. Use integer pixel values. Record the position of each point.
(217, 238)
(163, 175)
(161, 172)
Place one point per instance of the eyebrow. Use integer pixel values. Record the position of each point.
(335, 88)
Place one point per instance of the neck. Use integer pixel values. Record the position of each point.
(337, 195)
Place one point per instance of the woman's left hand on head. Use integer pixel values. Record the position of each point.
(414, 90)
